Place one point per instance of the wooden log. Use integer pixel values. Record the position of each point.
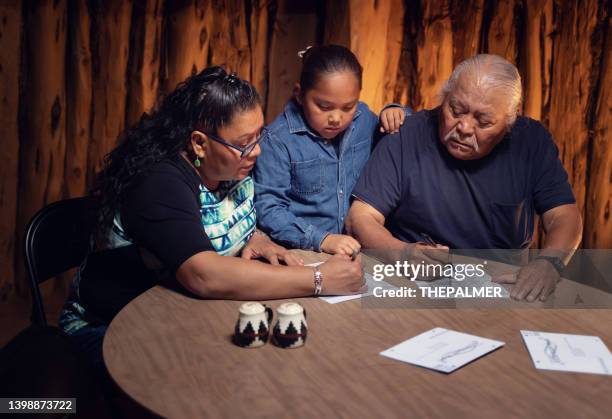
(533, 58)
(406, 91)
(78, 99)
(229, 42)
(501, 36)
(547, 41)
(375, 33)
(378, 49)
(434, 52)
(536, 66)
(572, 88)
(395, 36)
(368, 28)
(294, 29)
(258, 38)
(466, 20)
(598, 220)
(189, 24)
(10, 51)
(110, 46)
(337, 23)
(144, 61)
(43, 133)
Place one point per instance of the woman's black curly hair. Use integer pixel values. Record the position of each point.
(205, 101)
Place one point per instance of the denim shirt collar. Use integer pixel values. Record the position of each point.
(295, 120)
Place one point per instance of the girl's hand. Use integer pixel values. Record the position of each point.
(340, 244)
(391, 119)
(260, 246)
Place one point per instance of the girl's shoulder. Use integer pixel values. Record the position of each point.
(365, 116)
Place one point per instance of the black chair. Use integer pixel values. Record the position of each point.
(57, 239)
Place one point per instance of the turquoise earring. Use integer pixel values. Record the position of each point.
(196, 162)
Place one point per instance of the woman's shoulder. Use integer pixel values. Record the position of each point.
(166, 176)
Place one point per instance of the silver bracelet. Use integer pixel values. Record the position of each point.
(318, 281)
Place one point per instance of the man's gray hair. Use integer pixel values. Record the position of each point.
(489, 72)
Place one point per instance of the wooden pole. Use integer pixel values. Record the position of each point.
(533, 59)
(229, 42)
(368, 33)
(434, 52)
(406, 85)
(466, 20)
(144, 62)
(395, 36)
(189, 25)
(294, 30)
(78, 99)
(111, 38)
(501, 38)
(43, 134)
(337, 29)
(572, 88)
(10, 51)
(598, 222)
(258, 38)
(547, 29)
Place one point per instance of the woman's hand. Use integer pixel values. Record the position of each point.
(260, 246)
(342, 276)
(391, 119)
(340, 244)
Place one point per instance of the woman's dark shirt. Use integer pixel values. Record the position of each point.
(161, 217)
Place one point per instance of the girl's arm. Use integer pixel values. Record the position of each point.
(392, 117)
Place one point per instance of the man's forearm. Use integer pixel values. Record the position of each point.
(373, 235)
(563, 234)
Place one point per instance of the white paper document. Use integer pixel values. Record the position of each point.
(572, 353)
(370, 282)
(442, 349)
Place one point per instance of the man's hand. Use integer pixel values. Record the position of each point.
(437, 255)
(391, 119)
(260, 246)
(340, 244)
(534, 281)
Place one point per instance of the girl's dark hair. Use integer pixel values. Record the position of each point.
(205, 101)
(326, 59)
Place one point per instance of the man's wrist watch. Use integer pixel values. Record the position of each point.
(556, 262)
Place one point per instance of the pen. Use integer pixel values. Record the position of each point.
(354, 254)
(429, 240)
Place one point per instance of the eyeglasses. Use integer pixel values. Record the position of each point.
(244, 152)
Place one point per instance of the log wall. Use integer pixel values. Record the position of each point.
(74, 73)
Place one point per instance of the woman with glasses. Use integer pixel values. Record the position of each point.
(176, 207)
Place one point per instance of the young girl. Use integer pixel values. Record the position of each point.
(313, 154)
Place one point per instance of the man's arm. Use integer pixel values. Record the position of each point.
(367, 225)
(563, 227)
(538, 279)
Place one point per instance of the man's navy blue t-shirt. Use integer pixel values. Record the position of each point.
(489, 203)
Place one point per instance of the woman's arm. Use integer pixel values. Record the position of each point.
(210, 275)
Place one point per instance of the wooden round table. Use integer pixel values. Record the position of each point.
(173, 355)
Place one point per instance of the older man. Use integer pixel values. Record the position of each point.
(471, 174)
